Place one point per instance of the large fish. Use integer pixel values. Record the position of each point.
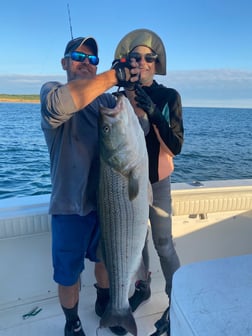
(124, 197)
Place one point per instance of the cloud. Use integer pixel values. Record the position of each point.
(218, 87)
(26, 84)
(223, 87)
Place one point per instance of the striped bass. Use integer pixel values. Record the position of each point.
(123, 206)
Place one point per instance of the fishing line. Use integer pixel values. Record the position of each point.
(70, 22)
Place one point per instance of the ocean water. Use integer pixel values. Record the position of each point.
(218, 146)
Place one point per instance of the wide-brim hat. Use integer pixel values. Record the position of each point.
(79, 41)
(147, 38)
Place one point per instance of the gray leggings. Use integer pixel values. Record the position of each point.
(161, 228)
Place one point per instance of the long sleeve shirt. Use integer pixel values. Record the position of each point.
(170, 128)
(72, 141)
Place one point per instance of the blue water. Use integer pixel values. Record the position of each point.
(218, 146)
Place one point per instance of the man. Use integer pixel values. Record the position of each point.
(160, 114)
(69, 115)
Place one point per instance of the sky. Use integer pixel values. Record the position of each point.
(208, 43)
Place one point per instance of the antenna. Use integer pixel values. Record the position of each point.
(70, 23)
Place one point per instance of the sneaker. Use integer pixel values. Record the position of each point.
(74, 329)
(101, 303)
(141, 295)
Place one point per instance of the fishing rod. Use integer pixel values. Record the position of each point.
(70, 21)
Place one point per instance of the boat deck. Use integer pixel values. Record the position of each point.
(231, 233)
(26, 271)
(50, 321)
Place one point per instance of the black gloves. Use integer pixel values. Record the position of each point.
(145, 103)
(122, 67)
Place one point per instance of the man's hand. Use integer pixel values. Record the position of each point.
(127, 73)
(145, 103)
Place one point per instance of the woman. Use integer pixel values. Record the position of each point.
(160, 114)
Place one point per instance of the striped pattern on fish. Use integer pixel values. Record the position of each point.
(123, 206)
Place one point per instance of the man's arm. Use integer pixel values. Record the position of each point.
(84, 91)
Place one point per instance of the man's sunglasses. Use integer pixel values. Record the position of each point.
(149, 58)
(79, 56)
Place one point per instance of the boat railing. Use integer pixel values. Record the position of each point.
(29, 215)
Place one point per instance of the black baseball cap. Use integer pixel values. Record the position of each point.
(77, 42)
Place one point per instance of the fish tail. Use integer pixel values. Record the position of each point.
(123, 318)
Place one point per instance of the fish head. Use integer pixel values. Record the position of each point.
(120, 136)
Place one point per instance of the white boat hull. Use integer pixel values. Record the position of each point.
(210, 221)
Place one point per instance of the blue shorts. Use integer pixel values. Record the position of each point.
(74, 238)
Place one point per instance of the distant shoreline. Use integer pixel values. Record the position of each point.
(19, 101)
(5, 98)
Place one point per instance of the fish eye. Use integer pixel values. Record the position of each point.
(106, 129)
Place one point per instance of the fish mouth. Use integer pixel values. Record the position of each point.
(115, 111)
(109, 113)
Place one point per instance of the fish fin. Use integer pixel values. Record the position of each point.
(133, 186)
(123, 318)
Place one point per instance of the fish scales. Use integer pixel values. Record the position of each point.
(116, 207)
(123, 206)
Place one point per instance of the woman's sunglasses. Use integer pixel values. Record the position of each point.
(79, 56)
(149, 58)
